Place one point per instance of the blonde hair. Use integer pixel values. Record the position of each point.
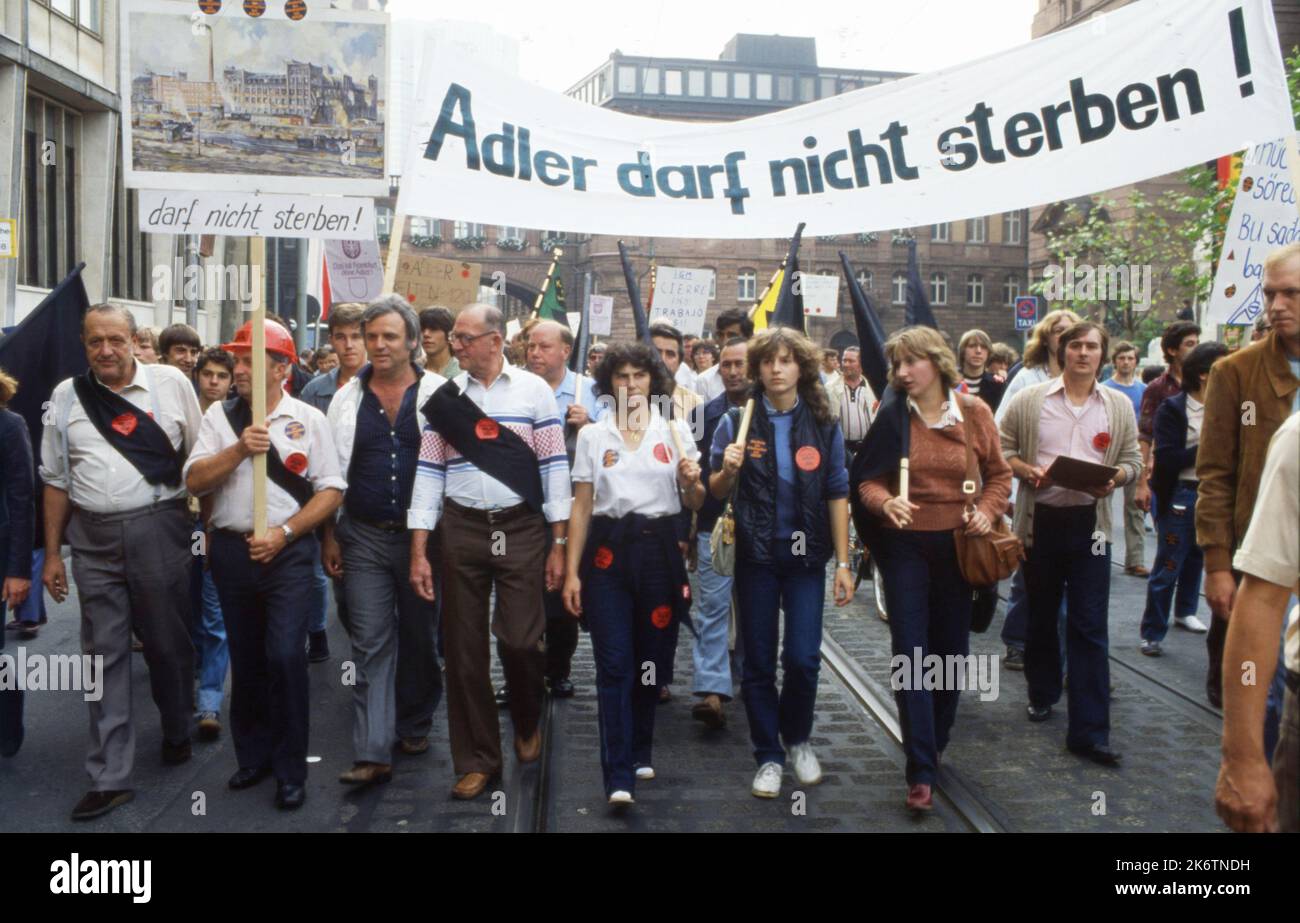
(8, 387)
(923, 343)
(1281, 255)
(766, 344)
(1036, 352)
(148, 335)
(973, 336)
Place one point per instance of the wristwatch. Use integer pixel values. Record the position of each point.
(561, 541)
(844, 564)
(289, 535)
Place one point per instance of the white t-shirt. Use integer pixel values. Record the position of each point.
(625, 481)
(1271, 549)
(1195, 417)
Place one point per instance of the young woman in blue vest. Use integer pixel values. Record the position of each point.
(792, 516)
(633, 470)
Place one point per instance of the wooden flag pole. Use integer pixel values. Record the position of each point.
(257, 359)
(902, 479)
(394, 252)
(744, 423)
(546, 283)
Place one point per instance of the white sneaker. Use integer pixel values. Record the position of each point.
(645, 772)
(1191, 623)
(621, 797)
(806, 768)
(767, 781)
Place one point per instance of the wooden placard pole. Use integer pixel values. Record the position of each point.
(744, 423)
(902, 479)
(257, 359)
(394, 252)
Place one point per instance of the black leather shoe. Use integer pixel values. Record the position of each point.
(318, 647)
(175, 754)
(247, 778)
(96, 803)
(1039, 714)
(562, 688)
(503, 697)
(1099, 753)
(289, 795)
(1214, 692)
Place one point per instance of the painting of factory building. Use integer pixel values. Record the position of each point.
(254, 104)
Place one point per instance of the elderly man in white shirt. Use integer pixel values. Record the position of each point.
(111, 463)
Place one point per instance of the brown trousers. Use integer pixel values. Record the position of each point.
(476, 556)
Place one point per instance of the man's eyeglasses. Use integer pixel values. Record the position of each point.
(464, 339)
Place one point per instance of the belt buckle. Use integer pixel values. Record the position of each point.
(968, 487)
(492, 515)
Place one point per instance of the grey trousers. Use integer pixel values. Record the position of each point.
(133, 571)
(398, 682)
(1134, 528)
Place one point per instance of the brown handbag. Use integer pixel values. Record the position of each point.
(984, 559)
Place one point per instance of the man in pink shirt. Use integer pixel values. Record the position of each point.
(1067, 532)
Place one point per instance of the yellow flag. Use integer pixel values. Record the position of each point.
(762, 311)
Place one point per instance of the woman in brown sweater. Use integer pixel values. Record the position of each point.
(929, 603)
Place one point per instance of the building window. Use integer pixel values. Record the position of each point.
(64, 7)
(466, 229)
(807, 89)
(865, 279)
(673, 83)
(718, 85)
(423, 227)
(383, 220)
(88, 15)
(938, 288)
(828, 87)
(650, 81)
(626, 78)
(977, 230)
(506, 232)
(740, 85)
(713, 286)
(900, 288)
(1011, 290)
(695, 83)
(1011, 225)
(975, 290)
(785, 88)
(48, 230)
(941, 232)
(762, 86)
(746, 285)
(130, 276)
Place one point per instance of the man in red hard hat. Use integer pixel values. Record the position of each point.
(261, 580)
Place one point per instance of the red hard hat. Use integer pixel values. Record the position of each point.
(278, 340)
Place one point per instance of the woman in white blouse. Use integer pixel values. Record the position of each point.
(632, 471)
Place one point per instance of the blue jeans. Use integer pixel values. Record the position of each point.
(929, 609)
(1061, 564)
(762, 591)
(618, 603)
(208, 632)
(33, 608)
(317, 597)
(1178, 561)
(1015, 627)
(712, 617)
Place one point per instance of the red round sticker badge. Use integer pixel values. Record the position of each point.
(604, 557)
(661, 452)
(662, 616)
(125, 424)
(1101, 441)
(808, 458)
(487, 428)
(296, 462)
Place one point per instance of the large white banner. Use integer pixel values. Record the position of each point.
(1150, 88)
(1264, 217)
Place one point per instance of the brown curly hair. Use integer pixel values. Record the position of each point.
(767, 344)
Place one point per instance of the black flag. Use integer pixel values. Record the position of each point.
(789, 300)
(871, 335)
(634, 295)
(41, 352)
(918, 311)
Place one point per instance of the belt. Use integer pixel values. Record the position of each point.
(383, 525)
(493, 516)
(178, 503)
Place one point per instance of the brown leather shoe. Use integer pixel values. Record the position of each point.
(93, 804)
(1137, 570)
(529, 750)
(414, 746)
(709, 710)
(470, 786)
(367, 774)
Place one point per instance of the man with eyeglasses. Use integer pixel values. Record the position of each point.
(493, 470)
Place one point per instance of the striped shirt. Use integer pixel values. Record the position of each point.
(519, 401)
